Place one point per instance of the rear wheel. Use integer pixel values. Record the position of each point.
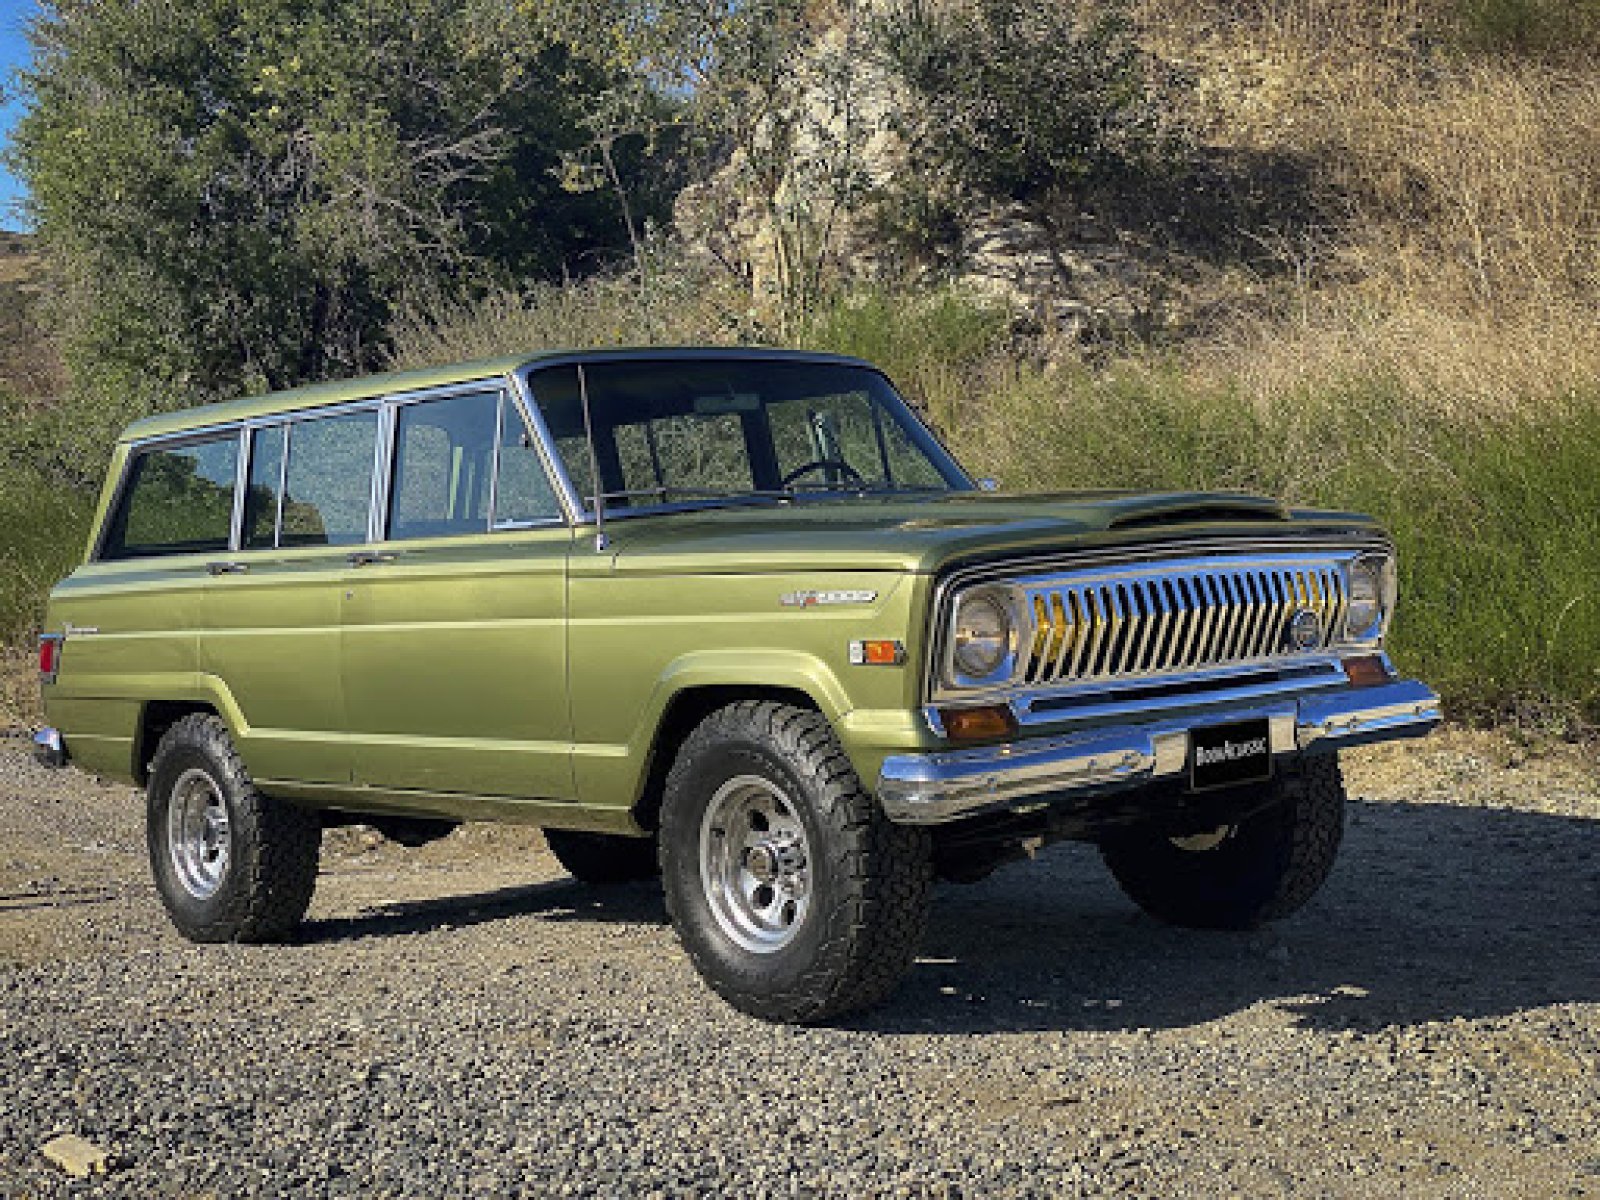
(231, 864)
(601, 857)
(1238, 876)
(796, 899)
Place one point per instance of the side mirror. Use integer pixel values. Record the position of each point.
(988, 485)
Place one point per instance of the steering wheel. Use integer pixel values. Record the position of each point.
(851, 475)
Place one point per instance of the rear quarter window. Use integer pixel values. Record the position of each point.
(177, 500)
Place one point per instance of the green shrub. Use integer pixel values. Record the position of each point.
(1547, 28)
(931, 344)
(43, 528)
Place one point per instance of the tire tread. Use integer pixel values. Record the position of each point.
(267, 902)
(880, 911)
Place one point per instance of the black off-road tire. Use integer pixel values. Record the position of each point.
(870, 881)
(1267, 867)
(271, 869)
(602, 858)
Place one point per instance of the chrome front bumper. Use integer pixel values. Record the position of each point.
(928, 789)
(48, 748)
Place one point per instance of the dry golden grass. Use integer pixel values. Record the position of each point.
(19, 691)
(1461, 258)
(673, 309)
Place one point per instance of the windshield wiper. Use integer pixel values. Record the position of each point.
(889, 489)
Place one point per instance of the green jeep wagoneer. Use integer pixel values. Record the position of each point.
(733, 617)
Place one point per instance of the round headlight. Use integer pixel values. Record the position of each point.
(982, 636)
(1366, 598)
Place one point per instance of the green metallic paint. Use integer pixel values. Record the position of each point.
(522, 675)
(454, 665)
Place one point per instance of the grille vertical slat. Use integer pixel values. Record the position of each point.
(1233, 626)
(1149, 625)
(1180, 618)
(1209, 612)
(1258, 616)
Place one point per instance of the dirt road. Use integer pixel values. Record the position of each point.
(465, 1020)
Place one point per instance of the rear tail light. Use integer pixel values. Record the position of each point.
(49, 657)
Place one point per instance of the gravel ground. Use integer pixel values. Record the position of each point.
(463, 1020)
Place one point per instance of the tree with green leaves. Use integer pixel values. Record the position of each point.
(233, 194)
(764, 96)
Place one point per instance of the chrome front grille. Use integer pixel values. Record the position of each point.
(1178, 617)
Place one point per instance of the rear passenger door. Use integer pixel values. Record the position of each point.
(274, 605)
(454, 658)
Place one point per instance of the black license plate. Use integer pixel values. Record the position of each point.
(1226, 755)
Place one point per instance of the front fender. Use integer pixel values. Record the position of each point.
(616, 776)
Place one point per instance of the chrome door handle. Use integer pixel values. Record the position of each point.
(227, 568)
(367, 558)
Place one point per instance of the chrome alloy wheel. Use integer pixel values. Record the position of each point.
(198, 838)
(755, 864)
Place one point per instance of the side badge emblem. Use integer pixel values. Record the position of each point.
(817, 599)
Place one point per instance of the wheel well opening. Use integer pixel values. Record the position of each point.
(686, 710)
(158, 717)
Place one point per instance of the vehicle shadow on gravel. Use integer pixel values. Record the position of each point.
(1433, 912)
(557, 900)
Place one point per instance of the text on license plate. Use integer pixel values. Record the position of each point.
(1224, 755)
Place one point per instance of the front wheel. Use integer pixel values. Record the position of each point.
(796, 899)
(231, 864)
(1238, 876)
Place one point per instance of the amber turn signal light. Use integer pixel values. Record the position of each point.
(973, 724)
(877, 654)
(1366, 671)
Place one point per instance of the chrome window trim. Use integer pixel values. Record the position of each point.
(382, 463)
(578, 511)
(385, 405)
(504, 392)
(494, 458)
(287, 429)
(315, 413)
(287, 421)
(283, 485)
(566, 494)
(393, 403)
(1118, 562)
(138, 446)
(241, 482)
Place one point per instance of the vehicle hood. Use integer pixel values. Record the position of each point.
(928, 534)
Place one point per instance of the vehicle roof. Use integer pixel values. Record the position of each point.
(343, 391)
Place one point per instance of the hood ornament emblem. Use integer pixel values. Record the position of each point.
(1305, 629)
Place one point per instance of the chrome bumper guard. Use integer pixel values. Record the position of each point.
(48, 748)
(929, 789)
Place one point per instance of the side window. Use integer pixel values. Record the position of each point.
(523, 492)
(177, 500)
(443, 466)
(328, 485)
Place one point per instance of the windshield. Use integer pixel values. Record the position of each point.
(675, 432)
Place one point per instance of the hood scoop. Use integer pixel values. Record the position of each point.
(1185, 509)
